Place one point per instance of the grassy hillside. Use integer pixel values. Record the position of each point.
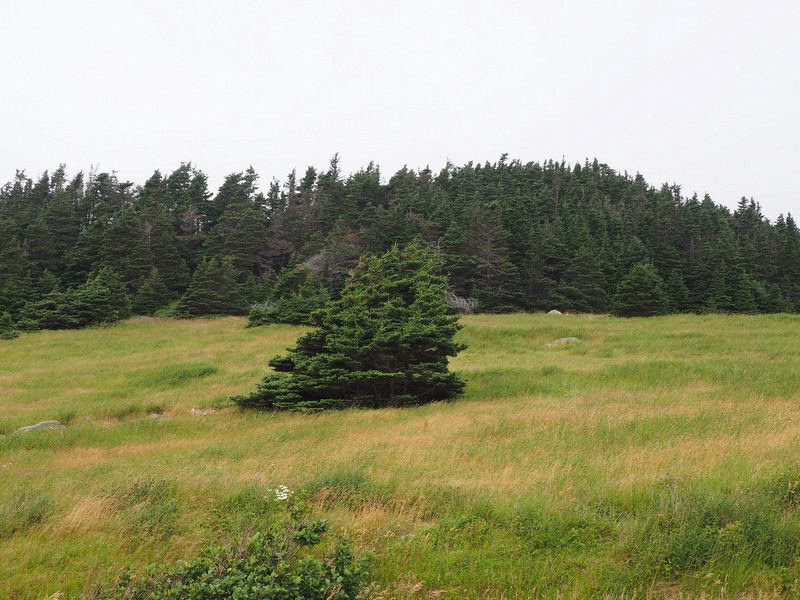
(656, 457)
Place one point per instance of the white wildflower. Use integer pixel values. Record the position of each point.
(282, 492)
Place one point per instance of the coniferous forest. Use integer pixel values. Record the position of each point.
(88, 247)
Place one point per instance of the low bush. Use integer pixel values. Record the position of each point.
(102, 299)
(8, 330)
(289, 560)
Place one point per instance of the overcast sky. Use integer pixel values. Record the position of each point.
(703, 94)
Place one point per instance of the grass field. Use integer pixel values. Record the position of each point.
(657, 458)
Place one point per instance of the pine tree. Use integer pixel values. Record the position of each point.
(239, 232)
(641, 293)
(384, 342)
(166, 255)
(12, 254)
(212, 291)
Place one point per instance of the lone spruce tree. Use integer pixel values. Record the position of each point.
(384, 342)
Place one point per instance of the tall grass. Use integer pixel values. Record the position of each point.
(656, 458)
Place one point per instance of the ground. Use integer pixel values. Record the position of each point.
(655, 457)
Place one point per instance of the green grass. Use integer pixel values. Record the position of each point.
(655, 458)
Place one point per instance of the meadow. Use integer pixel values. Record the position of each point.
(655, 458)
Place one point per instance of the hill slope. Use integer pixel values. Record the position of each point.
(650, 454)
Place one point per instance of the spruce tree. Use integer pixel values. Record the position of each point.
(583, 284)
(677, 293)
(384, 342)
(212, 291)
(103, 298)
(641, 293)
(293, 298)
(151, 295)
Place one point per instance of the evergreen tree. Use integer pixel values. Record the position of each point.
(583, 284)
(166, 255)
(641, 293)
(294, 297)
(102, 299)
(8, 330)
(124, 248)
(384, 342)
(514, 235)
(212, 291)
(677, 293)
(151, 295)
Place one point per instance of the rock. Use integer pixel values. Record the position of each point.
(157, 417)
(42, 425)
(561, 341)
(555, 312)
(202, 412)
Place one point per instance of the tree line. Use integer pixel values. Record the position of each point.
(511, 236)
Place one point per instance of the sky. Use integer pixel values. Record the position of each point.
(703, 94)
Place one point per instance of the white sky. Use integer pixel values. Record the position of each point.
(704, 94)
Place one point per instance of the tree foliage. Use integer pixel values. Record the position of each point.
(8, 331)
(384, 342)
(103, 299)
(212, 291)
(281, 562)
(293, 299)
(512, 236)
(641, 293)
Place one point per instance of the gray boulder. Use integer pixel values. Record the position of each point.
(42, 425)
(561, 341)
(554, 312)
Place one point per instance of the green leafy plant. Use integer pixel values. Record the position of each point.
(289, 559)
(7, 329)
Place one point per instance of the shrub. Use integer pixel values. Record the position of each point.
(8, 330)
(278, 562)
(384, 342)
(102, 299)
